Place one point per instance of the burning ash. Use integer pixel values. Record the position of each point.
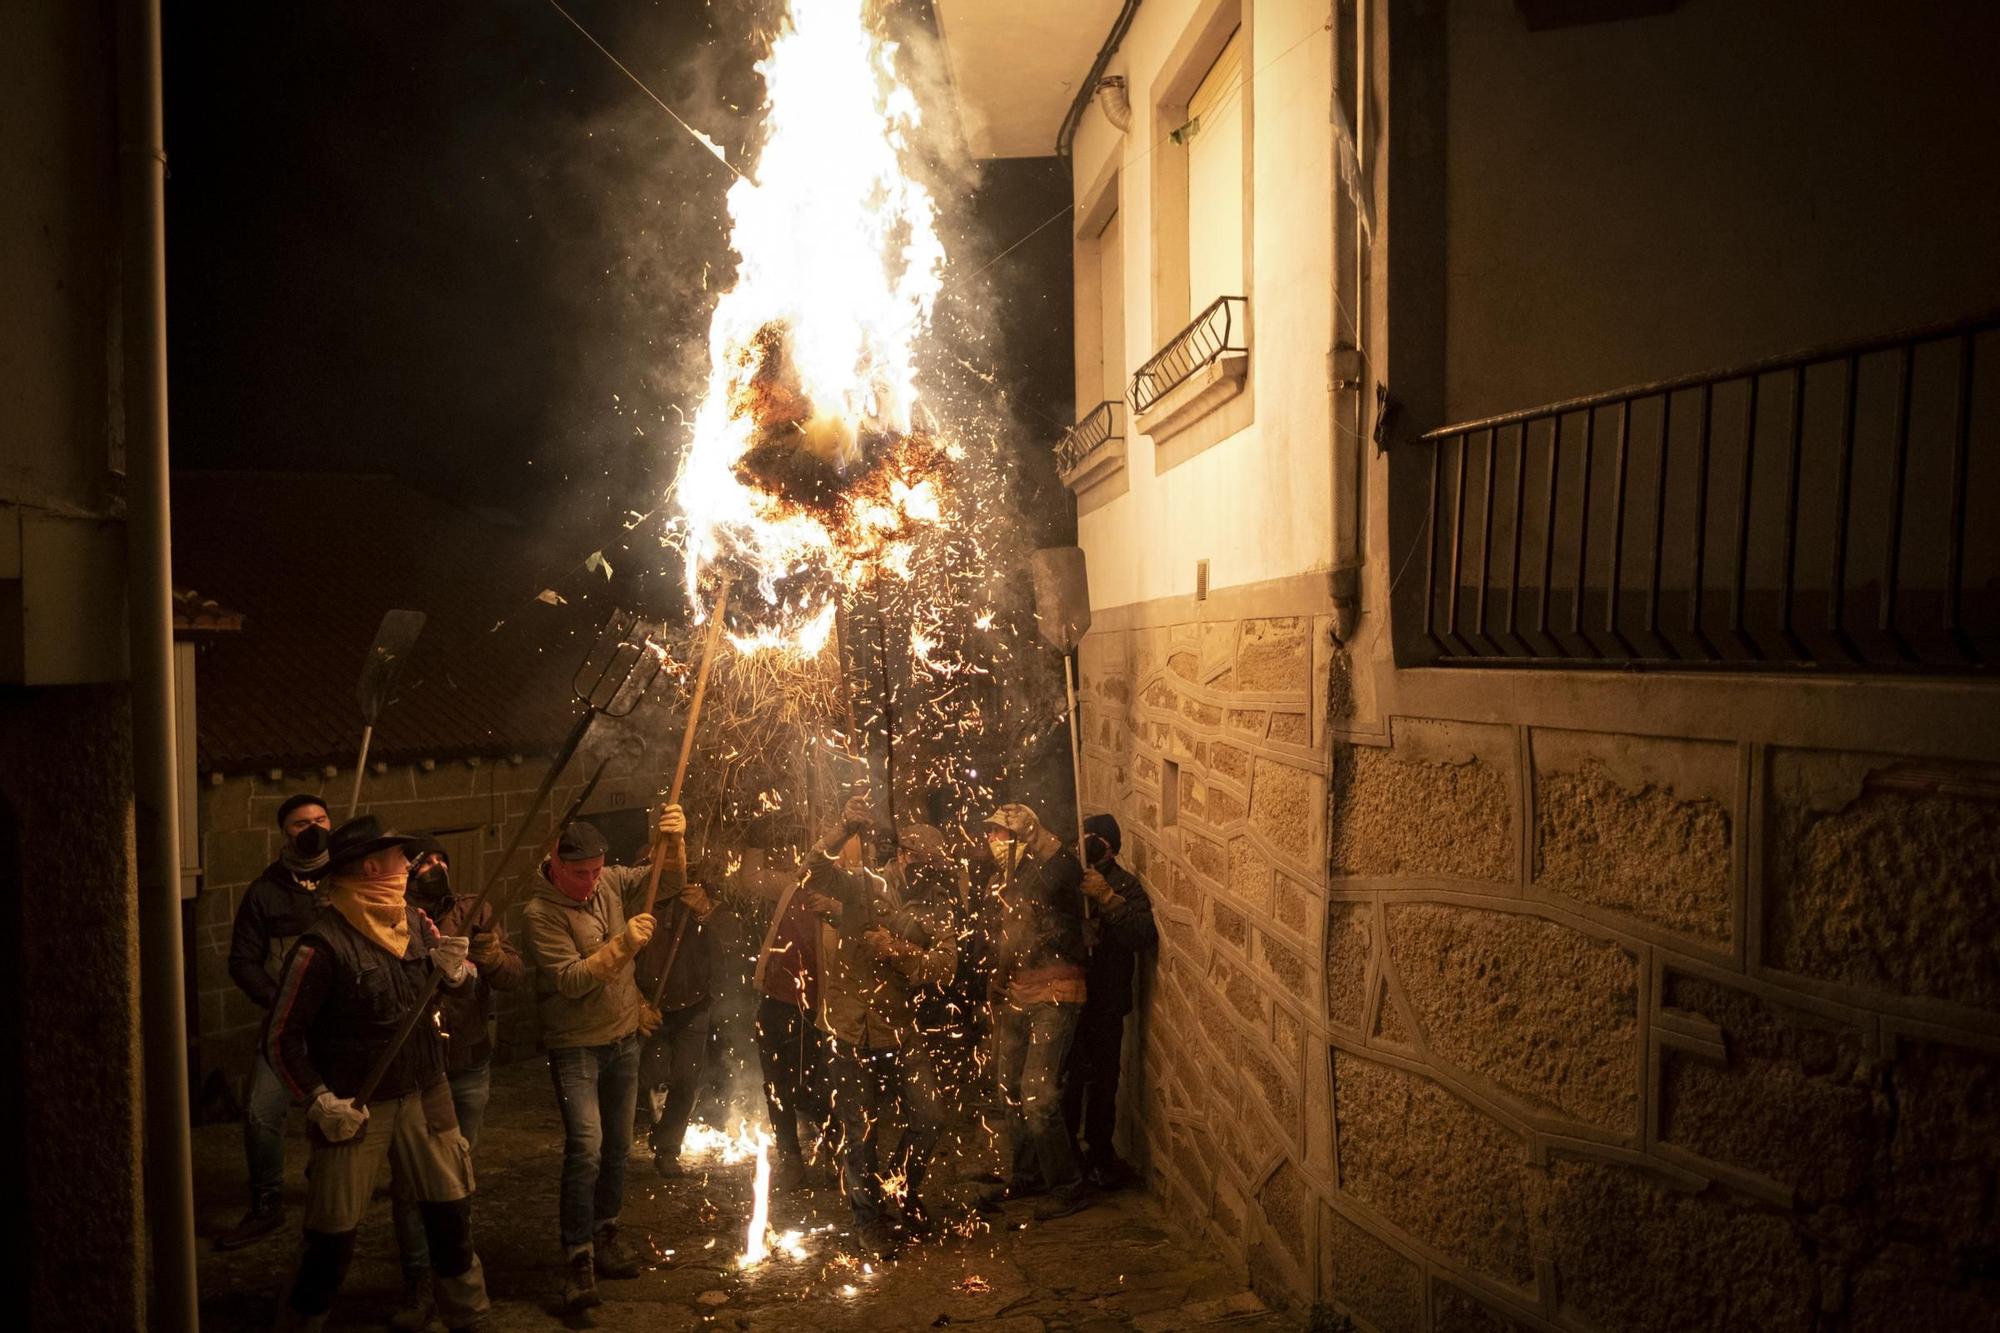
(807, 472)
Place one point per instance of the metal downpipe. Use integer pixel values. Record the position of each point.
(169, 1184)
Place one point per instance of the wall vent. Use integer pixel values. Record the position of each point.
(1201, 580)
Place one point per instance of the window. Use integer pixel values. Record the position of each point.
(1213, 138)
(1110, 247)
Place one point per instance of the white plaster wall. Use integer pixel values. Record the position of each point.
(1256, 504)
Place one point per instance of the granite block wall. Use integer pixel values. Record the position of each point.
(480, 803)
(1498, 1027)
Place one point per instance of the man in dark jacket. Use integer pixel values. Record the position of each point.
(468, 1042)
(358, 969)
(1037, 994)
(676, 977)
(1124, 929)
(275, 910)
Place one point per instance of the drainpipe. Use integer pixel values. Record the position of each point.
(169, 1185)
(1066, 135)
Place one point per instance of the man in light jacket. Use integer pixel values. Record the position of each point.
(582, 930)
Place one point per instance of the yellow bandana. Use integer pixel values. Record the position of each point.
(374, 907)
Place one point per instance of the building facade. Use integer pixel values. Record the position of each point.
(1570, 808)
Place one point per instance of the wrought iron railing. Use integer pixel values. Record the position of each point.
(1100, 425)
(1836, 509)
(1222, 328)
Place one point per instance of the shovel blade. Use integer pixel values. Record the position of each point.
(393, 641)
(1062, 596)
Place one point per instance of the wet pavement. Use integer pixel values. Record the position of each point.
(1116, 1266)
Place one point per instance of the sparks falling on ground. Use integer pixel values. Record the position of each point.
(760, 1240)
(806, 470)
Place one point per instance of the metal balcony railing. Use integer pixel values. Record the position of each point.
(1100, 425)
(1222, 328)
(1832, 509)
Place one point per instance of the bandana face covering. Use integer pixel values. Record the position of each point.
(577, 880)
(375, 907)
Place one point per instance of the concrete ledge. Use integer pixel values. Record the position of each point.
(1195, 397)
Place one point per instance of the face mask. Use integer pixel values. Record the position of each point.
(432, 883)
(311, 840)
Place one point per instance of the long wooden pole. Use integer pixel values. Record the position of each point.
(687, 736)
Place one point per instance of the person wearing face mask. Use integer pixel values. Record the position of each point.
(1121, 931)
(582, 928)
(363, 962)
(1036, 993)
(467, 1016)
(275, 911)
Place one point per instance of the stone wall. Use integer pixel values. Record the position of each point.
(1499, 1026)
(479, 803)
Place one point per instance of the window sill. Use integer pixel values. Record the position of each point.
(1195, 397)
(1101, 464)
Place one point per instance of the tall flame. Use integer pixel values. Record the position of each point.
(840, 262)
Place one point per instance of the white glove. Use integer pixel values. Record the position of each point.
(449, 954)
(338, 1118)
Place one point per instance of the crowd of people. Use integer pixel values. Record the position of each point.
(900, 982)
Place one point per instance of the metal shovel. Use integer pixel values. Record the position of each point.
(393, 641)
(1062, 615)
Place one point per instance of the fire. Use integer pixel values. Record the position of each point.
(760, 1239)
(807, 468)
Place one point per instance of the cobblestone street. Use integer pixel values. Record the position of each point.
(1119, 1265)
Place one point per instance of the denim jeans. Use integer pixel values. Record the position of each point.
(597, 1091)
(866, 1084)
(670, 1073)
(1032, 1045)
(264, 1113)
(470, 1092)
(792, 1051)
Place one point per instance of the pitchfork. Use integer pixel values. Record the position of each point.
(620, 667)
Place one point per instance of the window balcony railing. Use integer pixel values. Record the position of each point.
(1215, 332)
(1811, 511)
(1098, 427)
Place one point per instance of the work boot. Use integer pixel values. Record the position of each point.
(874, 1240)
(266, 1215)
(614, 1258)
(1064, 1202)
(1113, 1173)
(580, 1284)
(418, 1307)
(917, 1223)
(667, 1166)
(994, 1200)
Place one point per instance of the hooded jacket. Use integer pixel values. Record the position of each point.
(466, 1013)
(276, 909)
(557, 934)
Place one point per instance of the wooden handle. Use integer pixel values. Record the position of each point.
(687, 737)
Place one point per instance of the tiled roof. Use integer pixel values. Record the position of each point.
(311, 561)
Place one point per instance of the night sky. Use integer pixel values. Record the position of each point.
(437, 240)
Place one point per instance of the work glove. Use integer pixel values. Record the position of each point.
(621, 948)
(485, 949)
(338, 1119)
(1100, 891)
(673, 822)
(649, 1019)
(695, 898)
(857, 816)
(450, 955)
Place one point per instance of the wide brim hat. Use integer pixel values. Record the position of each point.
(362, 837)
